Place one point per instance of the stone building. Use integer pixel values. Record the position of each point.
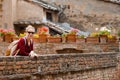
(1, 12)
(89, 14)
(85, 15)
(18, 14)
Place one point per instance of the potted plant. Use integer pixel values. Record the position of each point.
(118, 35)
(93, 38)
(71, 36)
(43, 33)
(103, 36)
(111, 39)
(36, 38)
(1, 34)
(16, 37)
(80, 39)
(22, 34)
(54, 39)
(64, 35)
(9, 35)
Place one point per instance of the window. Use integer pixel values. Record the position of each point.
(68, 6)
(49, 16)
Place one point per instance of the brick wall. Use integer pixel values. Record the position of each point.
(63, 48)
(118, 66)
(3, 47)
(101, 66)
(55, 48)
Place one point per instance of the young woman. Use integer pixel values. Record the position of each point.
(25, 44)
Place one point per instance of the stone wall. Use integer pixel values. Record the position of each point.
(63, 48)
(13, 10)
(118, 66)
(89, 14)
(101, 66)
(7, 13)
(30, 11)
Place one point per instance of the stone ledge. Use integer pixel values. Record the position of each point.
(55, 63)
(15, 76)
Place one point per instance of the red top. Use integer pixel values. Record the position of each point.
(25, 49)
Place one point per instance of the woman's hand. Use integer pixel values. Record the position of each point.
(33, 54)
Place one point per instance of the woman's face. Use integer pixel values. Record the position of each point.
(29, 34)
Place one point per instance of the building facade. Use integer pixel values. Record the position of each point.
(85, 15)
(17, 14)
(89, 14)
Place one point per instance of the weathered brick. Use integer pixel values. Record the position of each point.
(2, 63)
(76, 66)
(10, 63)
(9, 67)
(17, 67)
(2, 68)
(26, 71)
(22, 62)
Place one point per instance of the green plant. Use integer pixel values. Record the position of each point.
(73, 31)
(110, 36)
(9, 31)
(6, 31)
(118, 33)
(64, 35)
(57, 35)
(2, 32)
(36, 36)
(104, 32)
(81, 36)
(94, 34)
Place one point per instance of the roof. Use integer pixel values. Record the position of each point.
(113, 1)
(57, 27)
(46, 5)
(49, 24)
(28, 21)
